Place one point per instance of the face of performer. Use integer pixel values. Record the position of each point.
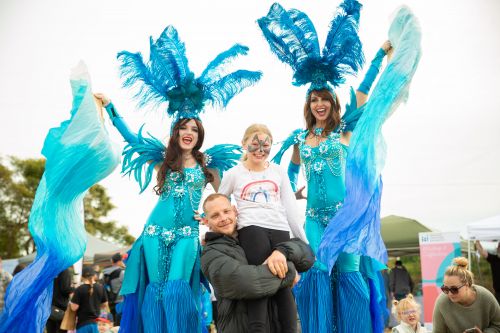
(220, 216)
(188, 135)
(457, 291)
(258, 147)
(320, 107)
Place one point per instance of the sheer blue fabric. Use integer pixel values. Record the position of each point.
(79, 154)
(356, 228)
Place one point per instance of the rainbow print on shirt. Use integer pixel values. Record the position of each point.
(261, 191)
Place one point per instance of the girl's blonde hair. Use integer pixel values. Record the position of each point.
(459, 269)
(252, 130)
(405, 304)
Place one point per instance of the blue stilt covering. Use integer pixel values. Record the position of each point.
(314, 300)
(354, 304)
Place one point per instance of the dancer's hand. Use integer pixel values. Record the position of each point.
(103, 98)
(197, 216)
(300, 193)
(277, 264)
(387, 46)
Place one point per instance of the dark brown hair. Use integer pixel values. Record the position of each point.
(334, 119)
(173, 158)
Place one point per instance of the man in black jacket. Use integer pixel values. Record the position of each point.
(224, 263)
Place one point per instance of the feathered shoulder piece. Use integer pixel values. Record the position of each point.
(141, 157)
(166, 77)
(222, 157)
(292, 139)
(352, 114)
(293, 39)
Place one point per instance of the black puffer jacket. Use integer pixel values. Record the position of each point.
(224, 263)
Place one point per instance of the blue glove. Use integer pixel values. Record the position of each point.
(372, 72)
(293, 174)
(120, 125)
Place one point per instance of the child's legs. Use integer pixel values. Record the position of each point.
(287, 309)
(255, 241)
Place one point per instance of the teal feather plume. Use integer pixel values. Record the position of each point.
(213, 70)
(219, 93)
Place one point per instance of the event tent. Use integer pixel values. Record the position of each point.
(484, 230)
(94, 245)
(400, 235)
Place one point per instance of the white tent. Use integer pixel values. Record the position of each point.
(485, 230)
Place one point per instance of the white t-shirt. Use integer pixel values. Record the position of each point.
(264, 199)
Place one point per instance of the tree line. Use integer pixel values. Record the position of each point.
(19, 180)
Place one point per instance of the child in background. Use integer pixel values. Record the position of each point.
(105, 323)
(407, 311)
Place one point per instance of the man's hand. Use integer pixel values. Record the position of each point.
(296, 280)
(277, 264)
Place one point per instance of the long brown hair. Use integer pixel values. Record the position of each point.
(173, 157)
(333, 121)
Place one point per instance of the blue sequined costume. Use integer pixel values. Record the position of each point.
(162, 279)
(318, 293)
(163, 267)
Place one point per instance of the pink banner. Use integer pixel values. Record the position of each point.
(437, 251)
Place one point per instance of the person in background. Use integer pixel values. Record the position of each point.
(494, 261)
(113, 280)
(401, 282)
(407, 312)
(105, 322)
(88, 301)
(464, 306)
(19, 267)
(5, 279)
(60, 298)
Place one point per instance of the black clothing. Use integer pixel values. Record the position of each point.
(401, 282)
(62, 289)
(89, 303)
(225, 265)
(60, 298)
(257, 309)
(494, 261)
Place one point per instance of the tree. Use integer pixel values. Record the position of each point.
(19, 179)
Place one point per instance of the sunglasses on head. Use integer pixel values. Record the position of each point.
(454, 290)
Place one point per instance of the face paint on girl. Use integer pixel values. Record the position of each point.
(263, 145)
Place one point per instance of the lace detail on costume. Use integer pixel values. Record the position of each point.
(190, 182)
(323, 215)
(167, 238)
(328, 155)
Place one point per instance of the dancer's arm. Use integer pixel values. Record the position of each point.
(216, 182)
(116, 119)
(293, 173)
(371, 74)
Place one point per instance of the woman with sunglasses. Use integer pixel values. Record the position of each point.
(464, 306)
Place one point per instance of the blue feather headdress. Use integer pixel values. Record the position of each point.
(167, 77)
(293, 38)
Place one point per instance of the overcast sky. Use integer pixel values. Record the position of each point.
(443, 157)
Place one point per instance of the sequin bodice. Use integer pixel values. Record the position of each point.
(324, 170)
(181, 196)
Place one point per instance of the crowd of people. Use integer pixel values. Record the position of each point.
(263, 266)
